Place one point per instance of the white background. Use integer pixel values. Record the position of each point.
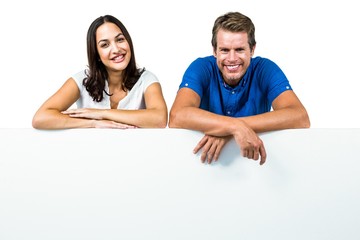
(316, 43)
(104, 184)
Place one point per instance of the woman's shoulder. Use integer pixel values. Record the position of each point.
(79, 76)
(148, 77)
(148, 74)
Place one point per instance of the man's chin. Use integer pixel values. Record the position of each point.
(232, 78)
(232, 81)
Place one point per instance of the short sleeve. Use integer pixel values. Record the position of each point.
(79, 78)
(196, 76)
(273, 79)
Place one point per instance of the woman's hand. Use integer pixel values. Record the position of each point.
(90, 113)
(97, 116)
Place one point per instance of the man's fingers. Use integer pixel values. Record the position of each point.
(201, 144)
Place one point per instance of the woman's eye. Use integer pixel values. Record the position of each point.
(120, 39)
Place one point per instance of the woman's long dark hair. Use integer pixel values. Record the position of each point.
(97, 74)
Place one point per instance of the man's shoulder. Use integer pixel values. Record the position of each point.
(207, 63)
(258, 60)
(205, 60)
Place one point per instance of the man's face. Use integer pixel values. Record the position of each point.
(233, 55)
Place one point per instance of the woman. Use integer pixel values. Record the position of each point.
(112, 93)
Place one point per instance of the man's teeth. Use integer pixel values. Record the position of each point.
(232, 66)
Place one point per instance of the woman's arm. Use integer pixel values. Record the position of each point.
(49, 115)
(154, 116)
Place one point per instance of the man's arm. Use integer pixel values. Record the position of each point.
(185, 113)
(288, 113)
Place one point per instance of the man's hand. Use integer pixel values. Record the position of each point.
(211, 147)
(250, 144)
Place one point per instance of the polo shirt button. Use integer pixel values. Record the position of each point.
(233, 92)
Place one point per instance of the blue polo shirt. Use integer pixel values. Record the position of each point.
(261, 84)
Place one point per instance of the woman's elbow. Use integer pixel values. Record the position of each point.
(162, 123)
(36, 122)
(42, 120)
(162, 120)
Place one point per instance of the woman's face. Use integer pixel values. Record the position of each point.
(113, 48)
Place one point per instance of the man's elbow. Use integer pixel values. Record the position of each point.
(173, 119)
(305, 121)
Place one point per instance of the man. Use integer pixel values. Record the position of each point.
(231, 93)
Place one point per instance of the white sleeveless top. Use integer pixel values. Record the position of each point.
(133, 100)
